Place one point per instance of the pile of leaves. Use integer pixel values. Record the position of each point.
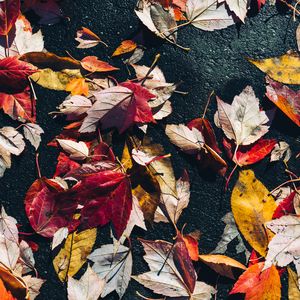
(93, 188)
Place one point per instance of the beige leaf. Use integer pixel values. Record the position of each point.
(77, 150)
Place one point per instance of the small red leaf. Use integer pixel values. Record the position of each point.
(9, 12)
(285, 207)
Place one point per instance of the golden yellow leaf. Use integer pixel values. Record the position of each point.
(74, 253)
(252, 206)
(222, 264)
(49, 79)
(126, 158)
(294, 292)
(284, 68)
(78, 86)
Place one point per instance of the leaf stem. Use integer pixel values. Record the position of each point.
(207, 104)
(38, 165)
(152, 67)
(284, 183)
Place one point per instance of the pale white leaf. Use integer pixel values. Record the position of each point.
(32, 132)
(188, 140)
(59, 236)
(26, 257)
(89, 287)
(242, 121)
(34, 285)
(202, 291)
(208, 14)
(281, 151)
(113, 267)
(23, 41)
(75, 106)
(284, 247)
(11, 140)
(9, 252)
(77, 150)
(238, 7)
(141, 157)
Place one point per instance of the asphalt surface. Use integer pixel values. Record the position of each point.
(216, 62)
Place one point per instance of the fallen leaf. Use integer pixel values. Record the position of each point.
(223, 265)
(252, 206)
(75, 106)
(242, 121)
(74, 253)
(22, 40)
(164, 277)
(208, 15)
(32, 132)
(284, 247)
(65, 165)
(77, 150)
(14, 74)
(230, 233)
(120, 106)
(282, 69)
(93, 64)
(19, 106)
(4, 293)
(9, 12)
(259, 284)
(281, 151)
(87, 38)
(33, 284)
(77, 86)
(239, 8)
(294, 291)
(287, 100)
(88, 287)
(125, 47)
(59, 236)
(191, 242)
(190, 141)
(55, 80)
(114, 267)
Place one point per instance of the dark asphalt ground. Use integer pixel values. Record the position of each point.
(216, 62)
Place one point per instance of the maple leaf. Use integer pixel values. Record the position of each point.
(19, 106)
(114, 266)
(88, 287)
(93, 64)
(259, 284)
(284, 247)
(252, 206)
(120, 106)
(287, 100)
(125, 47)
(65, 165)
(87, 38)
(208, 15)
(11, 142)
(106, 197)
(285, 206)
(48, 210)
(32, 132)
(242, 121)
(9, 12)
(251, 154)
(14, 73)
(78, 86)
(168, 277)
(22, 40)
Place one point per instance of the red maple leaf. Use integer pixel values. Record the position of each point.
(14, 74)
(9, 12)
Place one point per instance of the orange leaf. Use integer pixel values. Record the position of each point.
(125, 47)
(4, 294)
(93, 64)
(191, 243)
(258, 284)
(78, 86)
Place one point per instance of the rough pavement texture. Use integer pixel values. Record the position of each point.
(216, 62)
